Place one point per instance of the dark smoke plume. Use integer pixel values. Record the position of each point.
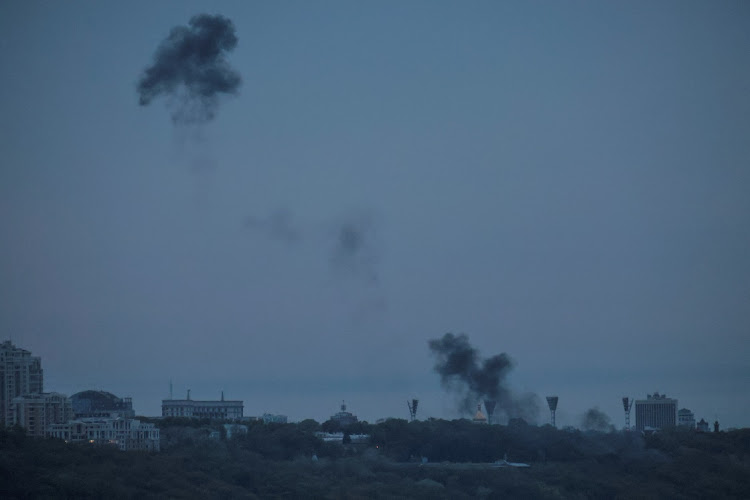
(462, 370)
(278, 226)
(190, 68)
(596, 420)
(354, 251)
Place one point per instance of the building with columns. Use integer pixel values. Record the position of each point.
(215, 410)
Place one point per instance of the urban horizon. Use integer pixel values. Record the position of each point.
(255, 407)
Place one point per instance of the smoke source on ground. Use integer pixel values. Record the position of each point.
(464, 372)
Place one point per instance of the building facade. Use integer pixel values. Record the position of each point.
(686, 419)
(126, 434)
(188, 408)
(101, 404)
(36, 412)
(20, 374)
(270, 418)
(657, 411)
(702, 426)
(343, 417)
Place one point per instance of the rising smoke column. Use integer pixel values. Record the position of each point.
(462, 370)
(191, 70)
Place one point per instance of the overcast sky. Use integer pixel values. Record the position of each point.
(567, 182)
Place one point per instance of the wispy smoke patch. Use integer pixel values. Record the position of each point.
(354, 250)
(463, 371)
(279, 226)
(596, 420)
(350, 242)
(191, 70)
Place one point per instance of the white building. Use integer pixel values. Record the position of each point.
(188, 408)
(270, 418)
(20, 374)
(125, 433)
(36, 412)
(338, 437)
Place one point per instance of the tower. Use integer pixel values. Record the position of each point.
(552, 403)
(413, 408)
(627, 404)
(21, 374)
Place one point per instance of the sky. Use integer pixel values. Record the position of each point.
(564, 182)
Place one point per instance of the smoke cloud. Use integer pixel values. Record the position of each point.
(191, 70)
(462, 370)
(354, 250)
(351, 241)
(596, 420)
(278, 226)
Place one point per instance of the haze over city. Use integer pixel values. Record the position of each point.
(566, 183)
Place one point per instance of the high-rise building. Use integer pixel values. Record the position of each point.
(36, 412)
(20, 375)
(657, 411)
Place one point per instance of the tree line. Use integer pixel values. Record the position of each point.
(289, 460)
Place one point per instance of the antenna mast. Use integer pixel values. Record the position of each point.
(627, 404)
(413, 408)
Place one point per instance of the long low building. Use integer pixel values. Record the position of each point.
(125, 433)
(188, 408)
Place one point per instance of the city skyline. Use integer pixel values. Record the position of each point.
(541, 420)
(564, 183)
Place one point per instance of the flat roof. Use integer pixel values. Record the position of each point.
(194, 401)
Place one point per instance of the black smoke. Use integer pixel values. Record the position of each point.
(463, 371)
(596, 420)
(190, 68)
